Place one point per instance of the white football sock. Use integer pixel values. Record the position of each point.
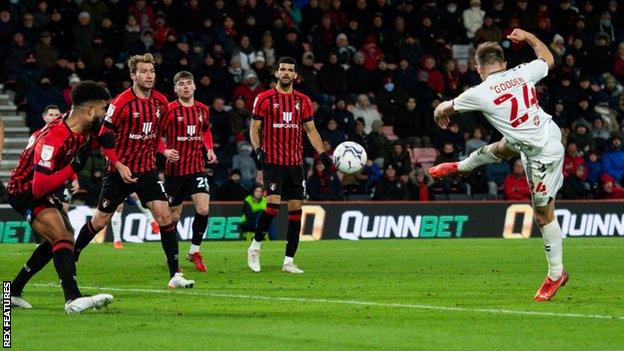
(553, 244)
(481, 157)
(145, 211)
(288, 260)
(194, 249)
(116, 225)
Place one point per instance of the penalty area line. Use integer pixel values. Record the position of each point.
(345, 302)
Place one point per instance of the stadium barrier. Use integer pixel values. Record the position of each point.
(366, 220)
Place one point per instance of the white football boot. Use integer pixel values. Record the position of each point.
(19, 302)
(253, 259)
(178, 281)
(83, 303)
(291, 268)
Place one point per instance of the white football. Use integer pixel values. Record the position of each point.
(350, 157)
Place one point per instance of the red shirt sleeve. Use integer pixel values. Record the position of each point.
(47, 177)
(206, 129)
(308, 110)
(114, 115)
(259, 107)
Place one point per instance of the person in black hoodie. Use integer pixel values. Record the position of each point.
(390, 187)
(232, 190)
(412, 125)
(358, 77)
(333, 77)
(574, 187)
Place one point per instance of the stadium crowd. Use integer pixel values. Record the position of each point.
(375, 70)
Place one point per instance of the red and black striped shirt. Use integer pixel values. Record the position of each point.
(282, 116)
(48, 151)
(137, 123)
(187, 129)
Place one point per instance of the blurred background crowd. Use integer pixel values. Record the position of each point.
(375, 70)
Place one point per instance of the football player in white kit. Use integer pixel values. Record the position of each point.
(508, 100)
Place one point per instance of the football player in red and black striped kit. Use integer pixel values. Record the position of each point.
(132, 128)
(279, 115)
(187, 129)
(51, 157)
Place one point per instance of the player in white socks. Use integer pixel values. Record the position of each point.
(508, 100)
(116, 220)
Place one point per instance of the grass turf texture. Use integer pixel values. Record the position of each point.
(226, 309)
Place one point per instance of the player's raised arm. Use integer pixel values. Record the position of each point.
(442, 114)
(541, 50)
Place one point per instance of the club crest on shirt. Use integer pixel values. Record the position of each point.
(297, 105)
(136, 114)
(180, 118)
(275, 106)
(201, 118)
(157, 112)
(46, 152)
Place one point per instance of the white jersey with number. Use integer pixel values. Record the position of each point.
(509, 102)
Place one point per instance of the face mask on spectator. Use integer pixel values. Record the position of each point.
(389, 86)
(605, 22)
(506, 44)
(451, 8)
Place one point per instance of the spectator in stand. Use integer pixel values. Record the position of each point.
(390, 187)
(594, 168)
(476, 141)
(515, 186)
(332, 134)
(45, 52)
(372, 53)
(380, 146)
(399, 159)
(41, 96)
(494, 174)
(419, 185)
(454, 184)
(473, 18)
(618, 62)
(343, 50)
(359, 135)
(259, 66)
(324, 185)
(243, 162)
(452, 78)
(613, 160)
(435, 80)
(489, 31)
(572, 159)
(245, 52)
(575, 187)
(249, 88)
(412, 125)
(66, 93)
(363, 109)
(450, 135)
(389, 100)
(232, 190)
(609, 189)
(333, 79)
(582, 136)
(344, 118)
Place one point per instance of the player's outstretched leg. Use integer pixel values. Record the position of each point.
(253, 252)
(116, 227)
(292, 241)
(487, 154)
(553, 245)
(39, 259)
(50, 224)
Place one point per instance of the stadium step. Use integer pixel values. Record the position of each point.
(8, 108)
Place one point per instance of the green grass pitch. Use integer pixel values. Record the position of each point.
(467, 294)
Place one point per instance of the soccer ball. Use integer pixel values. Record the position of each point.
(350, 157)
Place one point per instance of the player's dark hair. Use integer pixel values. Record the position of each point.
(489, 53)
(50, 107)
(182, 75)
(287, 60)
(87, 91)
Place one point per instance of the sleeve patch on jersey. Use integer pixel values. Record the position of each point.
(110, 111)
(46, 152)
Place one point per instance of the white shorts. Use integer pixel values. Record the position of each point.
(543, 167)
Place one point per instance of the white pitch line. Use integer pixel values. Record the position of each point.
(349, 302)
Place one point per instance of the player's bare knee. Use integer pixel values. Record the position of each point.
(202, 210)
(175, 216)
(542, 216)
